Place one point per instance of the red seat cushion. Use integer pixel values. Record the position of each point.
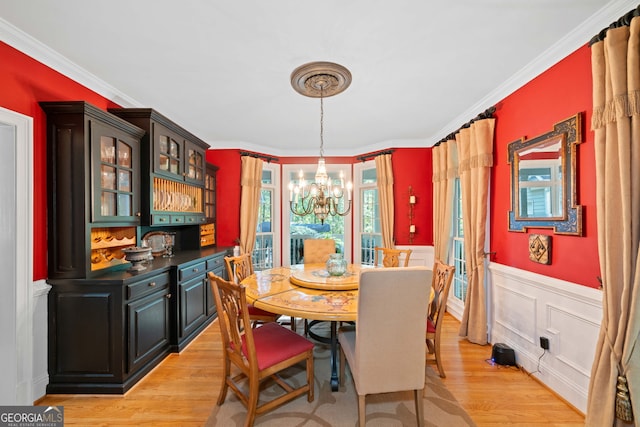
(254, 311)
(275, 343)
(431, 328)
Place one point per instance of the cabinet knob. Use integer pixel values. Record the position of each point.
(138, 214)
(167, 296)
(152, 284)
(195, 270)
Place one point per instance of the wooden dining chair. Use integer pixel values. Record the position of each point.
(385, 351)
(391, 257)
(318, 250)
(440, 283)
(258, 353)
(238, 268)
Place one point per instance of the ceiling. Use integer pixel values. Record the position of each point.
(222, 69)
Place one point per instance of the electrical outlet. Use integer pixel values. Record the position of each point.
(544, 343)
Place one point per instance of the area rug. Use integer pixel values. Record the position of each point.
(340, 408)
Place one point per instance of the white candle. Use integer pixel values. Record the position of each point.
(349, 186)
(412, 228)
(290, 191)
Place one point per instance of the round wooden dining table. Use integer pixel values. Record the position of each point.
(308, 291)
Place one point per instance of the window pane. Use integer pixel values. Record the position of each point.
(369, 176)
(262, 255)
(266, 177)
(460, 275)
(264, 211)
(370, 221)
(370, 229)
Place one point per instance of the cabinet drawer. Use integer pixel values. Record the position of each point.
(186, 273)
(155, 283)
(160, 219)
(194, 219)
(215, 263)
(177, 219)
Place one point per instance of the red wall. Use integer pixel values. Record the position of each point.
(227, 195)
(559, 93)
(413, 167)
(24, 83)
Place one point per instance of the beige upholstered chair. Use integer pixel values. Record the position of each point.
(391, 257)
(258, 353)
(441, 282)
(385, 351)
(239, 268)
(318, 250)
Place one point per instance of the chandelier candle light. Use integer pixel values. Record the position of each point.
(322, 196)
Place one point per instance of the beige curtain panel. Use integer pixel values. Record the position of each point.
(615, 63)
(475, 154)
(251, 183)
(384, 171)
(445, 172)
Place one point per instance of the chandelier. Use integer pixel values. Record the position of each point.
(322, 196)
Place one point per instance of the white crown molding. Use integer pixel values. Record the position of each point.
(577, 38)
(37, 50)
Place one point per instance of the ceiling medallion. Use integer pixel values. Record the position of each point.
(320, 79)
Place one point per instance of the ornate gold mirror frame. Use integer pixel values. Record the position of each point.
(543, 180)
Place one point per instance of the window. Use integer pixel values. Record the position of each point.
(367, 212)
(460, 276)
(264, 254)
(298, 228)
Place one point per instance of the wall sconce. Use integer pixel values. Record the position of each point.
(412, 227)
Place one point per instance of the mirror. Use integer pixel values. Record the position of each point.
(543, 180)
(540, 170)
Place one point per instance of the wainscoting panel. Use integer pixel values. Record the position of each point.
(518, 322)
(420, 255)
(526, 306)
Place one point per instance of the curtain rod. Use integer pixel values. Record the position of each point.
(269, 159)
(486, 114)
(624, 20)
(372, 155)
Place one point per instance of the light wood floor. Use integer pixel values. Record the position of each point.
(183, 389)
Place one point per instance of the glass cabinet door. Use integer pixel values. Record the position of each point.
(210, 194)
(195, 164)
(115, 192)
(168, 153)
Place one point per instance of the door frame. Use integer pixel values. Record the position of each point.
(16, 137)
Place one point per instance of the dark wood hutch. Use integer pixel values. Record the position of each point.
(114, 177)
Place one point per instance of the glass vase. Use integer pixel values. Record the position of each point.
(336, 265)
